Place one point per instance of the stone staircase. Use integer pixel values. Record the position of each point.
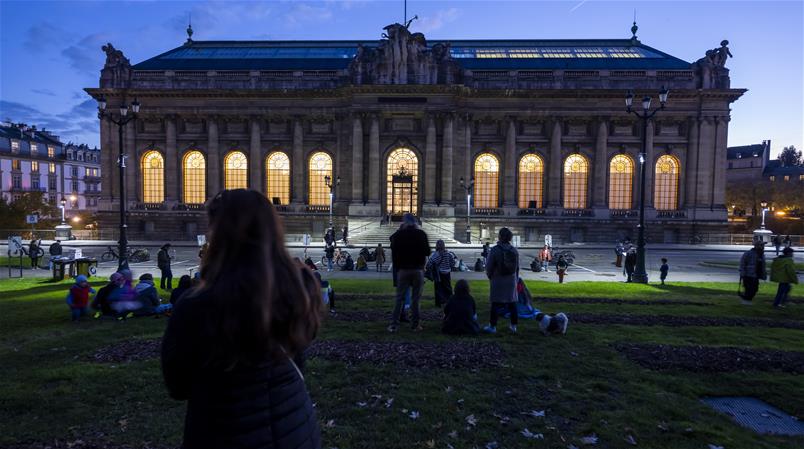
(369, 232)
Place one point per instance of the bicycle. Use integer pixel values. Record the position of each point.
(339, 259)
(696, 239)
(133, 255)
(569, 256)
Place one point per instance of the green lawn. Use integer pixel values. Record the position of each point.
(51, 389)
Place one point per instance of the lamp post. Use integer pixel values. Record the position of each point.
(331, 186)
(640, 275)
(764, 206)
(122, 247)
(63, 203)
(468, 188)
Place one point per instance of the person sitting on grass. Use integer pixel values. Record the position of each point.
(78, 297)
(101, 302)
(327, 292)
(348, 264)
(147, 296)
(310, 264)
(460, 313)
(185, 283)
(552, 325)
(361, 264)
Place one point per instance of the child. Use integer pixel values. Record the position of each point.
(556, 324)
(561, 268)
(460, 314)
(78, 298)
(327, 293)
(663, 270)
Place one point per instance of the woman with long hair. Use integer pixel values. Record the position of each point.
(231, 344)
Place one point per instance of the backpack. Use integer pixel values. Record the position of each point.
(509, 262)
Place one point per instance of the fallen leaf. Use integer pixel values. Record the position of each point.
(361, 404)
(414, 414)
(471, 420)
(534, 413)
(574, 354)
(389, 402)
(330, 423)
(453, 434)
(663, 426)
(589, 439)
(460, 401)
(528, 434)
(449, 446)
(448, 389)
(630, 440)
(492, 445)
(430, 443)
(712, 446)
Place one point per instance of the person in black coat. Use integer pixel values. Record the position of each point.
(630, 263)
(233, 344)
(185, 283)
(460, 313)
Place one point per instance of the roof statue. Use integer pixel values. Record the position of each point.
(712, 70)
(403, 57)
(117, 68)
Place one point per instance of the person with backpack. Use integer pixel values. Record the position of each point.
(502, 269)
(440, 265)
(163, 263)
(783, 271)
(752, 269)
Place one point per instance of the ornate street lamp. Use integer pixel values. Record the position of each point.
(63, 203)
(468, 188)
(640, 275)
(122, 121)
(331, 186)
(764, 206)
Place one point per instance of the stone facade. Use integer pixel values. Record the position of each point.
(406, 93)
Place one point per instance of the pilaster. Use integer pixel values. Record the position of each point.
(255, 156)
(650, 163)
(690, 173)
(374, 160)
(430, 161)
(446, 164)
(298, 163)
(509, 173)
(706, 161)
(213, 157)
(599, 190)
(719, 175)
(554, 167)
(171, 184)
(132, 162)
(357, 159)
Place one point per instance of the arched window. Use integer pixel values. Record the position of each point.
(531, 172)
(153, 177)
(320, 166)
(194, 175)
(487, 177)
(665, 193)
(576, 171)
(621, 177)
(402, 180)
(277, 178)
(235, 171)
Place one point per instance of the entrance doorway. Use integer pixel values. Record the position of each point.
(402, 183)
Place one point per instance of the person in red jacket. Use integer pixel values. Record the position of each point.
(78, 297)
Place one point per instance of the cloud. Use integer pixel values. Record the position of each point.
(44, 36)
(303, 12)
(85, 56)
(46, 92)
(78, 124)
(436, 21)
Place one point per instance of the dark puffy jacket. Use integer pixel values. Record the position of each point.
(409, 249)
(256, 405)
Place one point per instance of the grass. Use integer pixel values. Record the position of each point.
(50, 388)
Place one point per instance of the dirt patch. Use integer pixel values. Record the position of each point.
(381, 315)
(707, 359)
(457, 354)
(536, 301)
(129, 351)
(677, 321)
(81, 443)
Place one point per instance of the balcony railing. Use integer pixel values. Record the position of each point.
(532, 212)
(623, 213)
(671, 214)
(182, 206)
(578, 213)
(486, 211)
(318, 209)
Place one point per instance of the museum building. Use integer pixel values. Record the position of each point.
(530, 134)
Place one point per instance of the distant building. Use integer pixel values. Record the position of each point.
(31, 160)
(747, 162)
(82, 177)
(776, 172)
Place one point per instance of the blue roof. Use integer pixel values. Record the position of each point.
(623, 54)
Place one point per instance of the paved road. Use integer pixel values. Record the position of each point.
(591, 263)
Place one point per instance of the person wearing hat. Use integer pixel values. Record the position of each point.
(752, 269)
(783, 271)
(78, 297)
(163, 263)
(146, 296)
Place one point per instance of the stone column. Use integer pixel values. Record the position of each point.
(509, 173)
(650, 164)
(255, 157)
(109, 171)
(599, 190)
(719, 175)
(446, 163)
(706, 162)
(213, 158)
(690, 173)
(554, 167)
(171, 170)
(298, 163)
(132, 163)
(430, 162)
(468, 139)
(357, 159)
(374, 160)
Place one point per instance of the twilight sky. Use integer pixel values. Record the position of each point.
(50, 50)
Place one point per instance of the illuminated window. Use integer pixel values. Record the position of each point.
(773, 178)
(801, 177)
(487, 186)
(16, 165)
(576, 171)
(235, 171)
(621, 176)
(402, 181)
(51, 167)
(277, 177)
(51, 152)
(531, 172)
(15, 146)
(34, 149)
(786, 178)
(320, 166)
(34, 166)
(153, 177)
(195, 178)
(665, 196)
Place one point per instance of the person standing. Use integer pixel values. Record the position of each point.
(163, 259)
(502, 269)
(409, 251)
(783, 271)
(787, 241)
(345, 233)
(630, 263)
(561, 268)
(33, 253)
(55, 251)
(752, 269)
(484, 253)
(379, 257)
(442, 260)
(235, 342)
(545, 256)
(777, 242)
(663, 270)
(329, 254)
